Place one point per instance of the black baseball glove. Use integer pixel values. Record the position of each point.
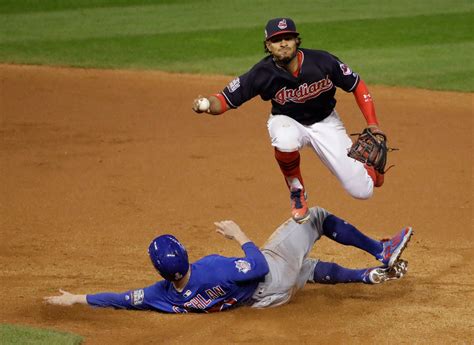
(371, 148)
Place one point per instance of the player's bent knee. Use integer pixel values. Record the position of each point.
(286, 142)
(285, 136)
(362, 196)
(359, 191)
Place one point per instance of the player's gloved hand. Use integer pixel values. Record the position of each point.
(371, 148)
(378, 133)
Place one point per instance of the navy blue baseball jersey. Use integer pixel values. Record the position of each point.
(307, 98)
(216, 283)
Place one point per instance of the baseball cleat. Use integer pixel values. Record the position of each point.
(379, 275)
(299, 207)
(393, 248)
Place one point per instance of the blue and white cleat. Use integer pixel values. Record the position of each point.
(393, 248)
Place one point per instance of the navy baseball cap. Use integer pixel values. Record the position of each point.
(278, 26)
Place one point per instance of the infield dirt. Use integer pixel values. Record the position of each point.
(94, 164)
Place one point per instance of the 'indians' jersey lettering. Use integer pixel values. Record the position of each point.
(307, 98)
(304, 92)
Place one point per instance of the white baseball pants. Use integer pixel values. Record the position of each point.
(330, 141)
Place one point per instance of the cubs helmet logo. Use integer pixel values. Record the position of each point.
(282, 24)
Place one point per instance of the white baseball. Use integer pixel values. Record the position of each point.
(203, 104)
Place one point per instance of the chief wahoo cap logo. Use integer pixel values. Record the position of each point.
(282, 24)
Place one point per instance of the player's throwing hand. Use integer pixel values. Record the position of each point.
(201, 104)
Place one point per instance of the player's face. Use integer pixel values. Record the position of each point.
(282, 47)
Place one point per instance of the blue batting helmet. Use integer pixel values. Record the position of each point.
(169, 257)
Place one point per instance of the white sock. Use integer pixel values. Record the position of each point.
(294, 183)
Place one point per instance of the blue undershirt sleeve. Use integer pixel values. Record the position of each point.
(139, 299)
(109, 299)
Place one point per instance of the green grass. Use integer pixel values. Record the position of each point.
(10, 334)
(24, 6)
(424, 44)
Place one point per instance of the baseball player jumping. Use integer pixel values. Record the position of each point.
(262, 278)
(301, 84)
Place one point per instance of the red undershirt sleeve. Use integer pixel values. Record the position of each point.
(365, 103)
(222, 100)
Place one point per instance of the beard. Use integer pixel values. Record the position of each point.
(284, 61)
